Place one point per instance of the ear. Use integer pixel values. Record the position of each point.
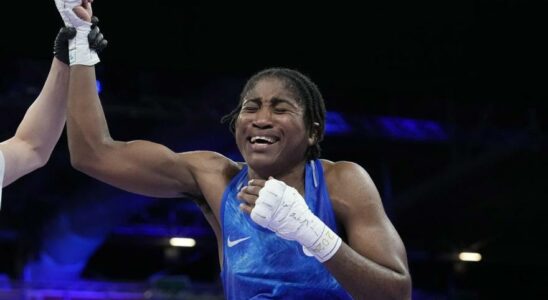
(313, 137)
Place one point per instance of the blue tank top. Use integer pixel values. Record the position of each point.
(257, 264)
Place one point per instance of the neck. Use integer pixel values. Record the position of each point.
(293, 177)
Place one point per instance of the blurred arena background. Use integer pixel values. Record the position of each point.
(443, 103)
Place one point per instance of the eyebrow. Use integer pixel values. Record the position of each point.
(274, 101)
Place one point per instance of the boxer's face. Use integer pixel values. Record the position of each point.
(270, 130)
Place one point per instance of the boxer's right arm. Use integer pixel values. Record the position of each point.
(138, 166)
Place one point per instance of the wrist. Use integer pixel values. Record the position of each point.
(79, 50)
(320, 240)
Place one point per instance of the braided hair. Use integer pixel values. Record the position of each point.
(309, 97)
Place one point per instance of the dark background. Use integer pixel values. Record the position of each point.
(474, 69)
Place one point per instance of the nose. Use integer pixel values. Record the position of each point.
(263, 119)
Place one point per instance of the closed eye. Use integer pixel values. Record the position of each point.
(280, 110)
(249, 109)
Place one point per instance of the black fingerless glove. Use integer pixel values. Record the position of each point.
(60, 46)
(96, 40)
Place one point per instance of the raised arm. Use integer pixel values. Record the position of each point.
(373, 265)
(40, 129)
(138, 166)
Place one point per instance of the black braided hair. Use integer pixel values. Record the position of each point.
(309, 97)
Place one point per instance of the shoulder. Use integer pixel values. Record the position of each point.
(344, 173)
(1, 159)
(211, 170)
(350, 187)
(211, 173)
(1, 167)
(209, 162)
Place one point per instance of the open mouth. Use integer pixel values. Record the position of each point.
(262, 140)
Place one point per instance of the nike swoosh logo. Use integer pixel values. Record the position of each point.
(236, 242)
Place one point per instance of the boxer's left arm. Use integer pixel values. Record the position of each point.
(373, 264)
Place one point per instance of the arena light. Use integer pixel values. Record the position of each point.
(182, 242)
(336, 124)
(409, 129)
(99, 86)
(470, 256)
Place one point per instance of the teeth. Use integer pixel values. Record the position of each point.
(264, 138)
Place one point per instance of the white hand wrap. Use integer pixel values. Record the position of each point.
(79, 51)
(66, 4)
(283, 210)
